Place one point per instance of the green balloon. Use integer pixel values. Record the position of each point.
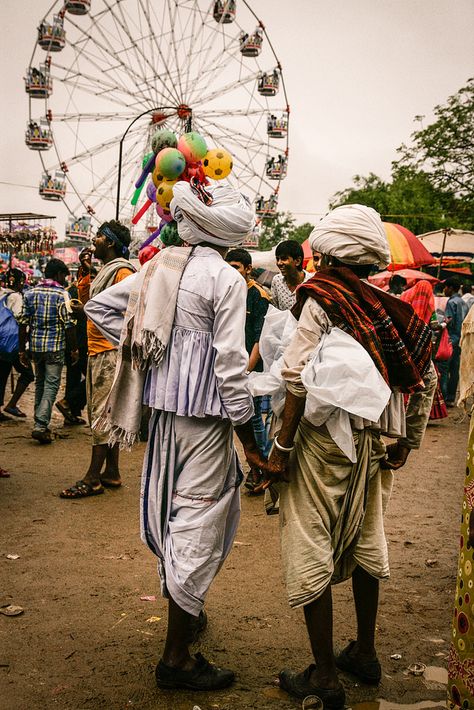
(163, 139)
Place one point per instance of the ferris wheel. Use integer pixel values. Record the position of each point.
(184, 64)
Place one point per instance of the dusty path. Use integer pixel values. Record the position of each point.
(87, 640)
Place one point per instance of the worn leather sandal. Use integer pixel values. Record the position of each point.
(204, 676)
(369, 672)
(300, 685)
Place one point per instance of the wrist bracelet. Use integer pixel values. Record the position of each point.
(287, 449)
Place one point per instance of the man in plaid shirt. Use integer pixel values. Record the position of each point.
(48, 327)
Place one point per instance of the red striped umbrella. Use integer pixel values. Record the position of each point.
(407, 251)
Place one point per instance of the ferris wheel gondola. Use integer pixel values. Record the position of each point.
(183, 64)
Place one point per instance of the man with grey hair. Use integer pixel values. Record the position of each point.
(332, 505)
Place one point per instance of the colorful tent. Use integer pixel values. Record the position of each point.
(406, 250)
(411, 275)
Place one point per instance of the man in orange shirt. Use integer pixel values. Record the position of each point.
(111, 247)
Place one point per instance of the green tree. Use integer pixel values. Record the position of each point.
(432, 183)
(276, 230)
(445, 148)
(301, 232)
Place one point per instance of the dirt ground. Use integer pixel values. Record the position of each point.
(86, 639)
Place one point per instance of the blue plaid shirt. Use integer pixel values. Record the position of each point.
(44, 313)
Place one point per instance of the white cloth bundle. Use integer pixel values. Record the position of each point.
(341, 380)
(226, 222)
(354, 234)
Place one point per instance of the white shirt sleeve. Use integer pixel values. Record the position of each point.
(231, 361)
(107, 309)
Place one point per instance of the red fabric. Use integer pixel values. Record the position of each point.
(420, 296)
(397, 340)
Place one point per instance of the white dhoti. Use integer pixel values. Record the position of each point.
(190, 502)
(331, 513)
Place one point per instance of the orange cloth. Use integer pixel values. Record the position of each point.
(96, 343)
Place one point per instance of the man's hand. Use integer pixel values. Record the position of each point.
(255, 458)
(396, 456)
(277, 466)
(74, 357)
(76, 306)
(85, 259)
(23, 357)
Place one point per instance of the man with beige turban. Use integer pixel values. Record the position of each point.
(182, 353)
(331, 500)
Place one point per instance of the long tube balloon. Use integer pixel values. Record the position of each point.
(136, 194)
(147, 169)
(141, 211)
(153, 235)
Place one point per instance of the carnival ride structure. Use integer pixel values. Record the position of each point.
(185, 64)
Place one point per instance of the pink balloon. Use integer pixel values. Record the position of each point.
(161, 213)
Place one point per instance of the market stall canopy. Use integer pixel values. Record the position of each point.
(382, 279)
(406, 250)
(458, 242)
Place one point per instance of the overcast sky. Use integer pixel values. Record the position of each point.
(356, 71)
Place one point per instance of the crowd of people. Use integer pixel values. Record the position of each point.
(182, 344)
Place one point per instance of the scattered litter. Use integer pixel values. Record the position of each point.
(196, 707)
(69, 655)
(312, 702)
(11, 610)
(417, 668)
(39, 520)
(407, 543)
(396, 656)
(148, 598)
(122, 617)
(13, 557)
(431, 563)
(440, 654)
(153, 619)
(436, 640)
(243, 544)
(436, 674)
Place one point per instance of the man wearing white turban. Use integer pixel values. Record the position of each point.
(331, 508)
(182, 353)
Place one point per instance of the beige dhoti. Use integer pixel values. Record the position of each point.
(331, 513)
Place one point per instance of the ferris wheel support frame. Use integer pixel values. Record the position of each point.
(119, 167)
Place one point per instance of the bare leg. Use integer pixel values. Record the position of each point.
(112, 473)
(319, 623)
(20, 388)
(99, 455)
(366, 597)
(176, 651)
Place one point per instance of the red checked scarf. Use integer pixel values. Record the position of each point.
(397, 340)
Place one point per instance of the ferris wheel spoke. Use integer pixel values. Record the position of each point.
(238, 136)
(152, 29)
(93, 116)
(108, 54)
(75, 82)
(208, 76)
(139, 53)
(232, 86)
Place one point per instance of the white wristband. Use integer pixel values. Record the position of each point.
(287, 449)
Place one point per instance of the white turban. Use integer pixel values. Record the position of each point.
(226, 222)
(353, 234)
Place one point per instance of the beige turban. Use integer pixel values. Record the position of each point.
(353, 234)
(226, 222)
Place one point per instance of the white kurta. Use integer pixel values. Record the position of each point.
(190, 502)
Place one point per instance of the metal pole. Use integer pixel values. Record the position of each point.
(119, 177)
(446, 231)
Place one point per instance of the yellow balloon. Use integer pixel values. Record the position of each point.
(164, 193)
(217, 163)
(157, 177)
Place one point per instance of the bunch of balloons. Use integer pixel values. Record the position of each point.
(174, 159)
